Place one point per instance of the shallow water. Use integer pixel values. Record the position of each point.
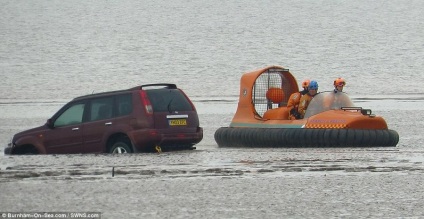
(241, 183)
(53, 51)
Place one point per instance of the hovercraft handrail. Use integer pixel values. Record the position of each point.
(359, 109)
(345, 108)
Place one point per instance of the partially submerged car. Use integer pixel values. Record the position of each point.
(331, 119)
(143, 118)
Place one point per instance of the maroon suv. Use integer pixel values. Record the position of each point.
(142, 118)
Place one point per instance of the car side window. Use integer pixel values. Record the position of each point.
(71, 116)
(124, 103)
(101, 108)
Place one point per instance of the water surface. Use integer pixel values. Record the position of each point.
(53, 51)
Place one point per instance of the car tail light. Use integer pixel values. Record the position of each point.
(146, 102)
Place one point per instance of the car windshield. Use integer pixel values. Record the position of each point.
(328, 101)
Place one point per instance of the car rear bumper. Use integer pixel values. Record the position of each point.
(146, 139)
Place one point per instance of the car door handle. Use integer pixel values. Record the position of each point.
(108, 123)
(75, 129)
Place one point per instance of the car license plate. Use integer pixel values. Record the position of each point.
(174, 122)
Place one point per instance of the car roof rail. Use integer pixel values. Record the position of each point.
(165, 85)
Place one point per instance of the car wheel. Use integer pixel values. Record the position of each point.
(120, 147)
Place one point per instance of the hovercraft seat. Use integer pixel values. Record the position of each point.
(277, 113)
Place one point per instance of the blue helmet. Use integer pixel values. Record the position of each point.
(313, 85)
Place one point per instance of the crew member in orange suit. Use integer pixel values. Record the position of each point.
(294, 100)
(339, 83)
(306, 99)
(334, 101)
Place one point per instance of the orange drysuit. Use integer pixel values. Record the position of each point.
(293, 104)
(303, 104)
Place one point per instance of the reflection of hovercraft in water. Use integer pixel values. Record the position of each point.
(331, 120)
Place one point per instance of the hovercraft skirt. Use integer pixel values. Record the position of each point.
(291, 137)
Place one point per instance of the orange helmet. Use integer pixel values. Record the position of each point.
(339, 82)
(305, 83)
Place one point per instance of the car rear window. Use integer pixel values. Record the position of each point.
(168, 100)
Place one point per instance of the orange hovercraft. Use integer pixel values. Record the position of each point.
(331, 119)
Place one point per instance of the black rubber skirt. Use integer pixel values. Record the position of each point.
(292, 137)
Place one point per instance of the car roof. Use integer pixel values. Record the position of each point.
(141, 87)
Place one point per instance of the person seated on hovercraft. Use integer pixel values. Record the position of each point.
(294, 100)
(306, 99)
(339, 83)
(335, 101)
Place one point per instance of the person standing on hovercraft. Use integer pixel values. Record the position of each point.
(306, 99)
(294, 100)
(339, 83)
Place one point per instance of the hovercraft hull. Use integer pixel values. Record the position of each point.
(292, 137)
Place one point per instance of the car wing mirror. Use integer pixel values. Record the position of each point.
(50, 123)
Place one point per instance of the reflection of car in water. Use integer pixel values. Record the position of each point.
(328, 101)
(331, 120)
